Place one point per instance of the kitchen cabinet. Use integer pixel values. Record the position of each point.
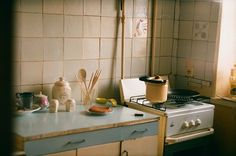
(141, 146)
(225, 127)
(45, 133)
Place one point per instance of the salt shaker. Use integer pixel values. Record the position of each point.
(54, 104)
(70, 105)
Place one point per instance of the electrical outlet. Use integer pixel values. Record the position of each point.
(189, 71)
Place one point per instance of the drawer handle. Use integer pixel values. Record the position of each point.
(139, 131)
(74, 142)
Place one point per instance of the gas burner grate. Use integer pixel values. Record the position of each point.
(141, 100)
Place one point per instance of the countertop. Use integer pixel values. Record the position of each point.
(44, 125)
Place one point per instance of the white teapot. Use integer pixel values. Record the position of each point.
(61, 91)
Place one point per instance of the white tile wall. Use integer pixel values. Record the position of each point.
(73, 7)
(53, 49)
(92, 7)
(58, 37)
(53, 25)
(32, 49)
(91, 26)
(73, 26)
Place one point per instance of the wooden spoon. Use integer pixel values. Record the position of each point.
(82, 76)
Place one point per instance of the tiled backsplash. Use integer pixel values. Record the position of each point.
(55, 38)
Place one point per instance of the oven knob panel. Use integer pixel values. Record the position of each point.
(186, 124)
(198, 122)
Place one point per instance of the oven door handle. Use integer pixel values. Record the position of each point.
(185, 137)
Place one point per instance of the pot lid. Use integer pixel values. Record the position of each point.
(61, 82)
(40, 95)
(156, 79)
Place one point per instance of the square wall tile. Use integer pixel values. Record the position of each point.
(17, 48)
(215, 11)
(73, 48)
(128, 48)
(31, 88)
(167, 28)
(31, 25)
(108, 48)
(16, 73)
(140, 27)
(202, 10)
(53, 49)
(186, 10)
(127, 68)
(200, 30)
(165, 65)
(158, 47)
(185, 29)
(71, 69)
(108, 68)
(199, 69)
(184, 48)
(140, 8)
(53, 25)
(53, 6)
(212, 31)
(73, 26)
(159, 9)
(31, 6)
(17, 28)
(181, 67)
(73, 7)
(52, 71)
(31, 73)
(17, 5)
(158, 28)
(108, 27)
(210, 57)
(129, 8)
(166, 47)
(106, 88)
(157, 65)
(209, 71)
(175, 48)
(32, 49)
(199, 50)
(90, 48)
(138, 67)
(76, 92)
(92, 7)
(47, 90)
(168, 9)
(176, 29)
(109, 8)
(139, 47)
(90, 66)
(91, 26)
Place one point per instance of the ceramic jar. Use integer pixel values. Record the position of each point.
(61, 91)
(70, 105)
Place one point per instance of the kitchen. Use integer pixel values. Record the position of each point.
(57, 38)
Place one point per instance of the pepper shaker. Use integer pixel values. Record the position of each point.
(54, 104)
(70, 105)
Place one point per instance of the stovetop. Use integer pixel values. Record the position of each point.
(173, 105)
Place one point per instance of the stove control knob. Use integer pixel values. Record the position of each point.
(192, 123)
(186, 124)
(198, 122)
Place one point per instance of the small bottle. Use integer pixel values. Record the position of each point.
(233, 81)
(54, 104)
(70, 105)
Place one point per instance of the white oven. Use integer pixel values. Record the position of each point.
(185, 127)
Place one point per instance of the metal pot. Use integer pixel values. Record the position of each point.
(156, 89)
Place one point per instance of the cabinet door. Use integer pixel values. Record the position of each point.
(110, 149)
(139, 147)
(66, 153)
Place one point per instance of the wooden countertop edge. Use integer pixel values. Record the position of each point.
(22, 139)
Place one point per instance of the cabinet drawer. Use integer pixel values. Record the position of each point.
(140, 130)
(69, 142)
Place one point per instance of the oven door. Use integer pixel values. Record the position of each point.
(195, 144)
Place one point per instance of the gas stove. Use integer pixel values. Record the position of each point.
(194, 115)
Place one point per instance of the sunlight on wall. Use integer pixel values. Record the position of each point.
(227, 47)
